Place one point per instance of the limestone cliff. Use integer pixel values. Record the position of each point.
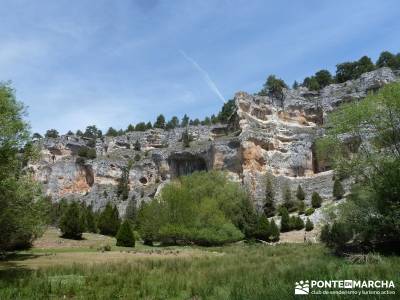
(266, 135)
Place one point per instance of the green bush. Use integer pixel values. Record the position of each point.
(336, 236)
(287, 199)
(90, 219)
(296, 223)
(109, 221)
(72, 223)
(309, 225)
(203, 208)
(87, 152)
(273, 231)
(125, 236)
(263, 228)
(285, 220)
(269, 202)
(309, 211)
(300, 195)
(338, 190)
(316, 200)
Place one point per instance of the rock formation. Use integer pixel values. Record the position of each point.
(266, 135)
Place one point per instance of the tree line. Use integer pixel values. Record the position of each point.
(344, 71)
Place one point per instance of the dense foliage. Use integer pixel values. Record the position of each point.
(109, 220)
(125, 236)
(370, 217)
(203, 208)
(72, 222)
(22, 207)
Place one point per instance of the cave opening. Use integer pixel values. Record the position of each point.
(185, 164)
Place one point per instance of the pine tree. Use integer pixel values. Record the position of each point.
(263, 230)
(160, 122)
(316, 200)
(109, 221)
(131, 211)
(287, 198)
(125, 236)
(301, 206)
(72, 223)
(269, 205)
(309, 225)
(285, 220)
(90, 220)
(338, 190)
(273, 232)
(300, 195)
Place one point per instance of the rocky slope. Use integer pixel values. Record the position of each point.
(266, 135)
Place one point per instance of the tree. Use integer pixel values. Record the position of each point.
(185, 121)
(387, 59)
(372, 207)
(160, 122)
(309, 225)
(36, 136)
(92, 132)
(196, 122)
(269, 203)
(186, 138)
(141, 126)
(227, 110)
(137, 146)
(23, 208)
(70, 133)
(207, 121)
(214, 119)
(336, 236)
(131, 212)
(123, 181)
(364, 65)
(111, 132)
(262, 231)
(109, 221)
(130, 128)
(353, 70)
(52, 133)
(91, 225)
(274, 232)
(148, 125)
(312, 83)
(301, 207)
(285, 224)
(324, 78)
(72, 223)
(295, 85)
(79, 133)
(273, 86)
(316, 200)
(125, 236)
(287, 198)
(338, 190)
(300, 195)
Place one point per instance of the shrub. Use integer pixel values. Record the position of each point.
(300, 195)
(338, 190)
(273, 86)
(309, 211)
(301, 206)
(263, 228)
(309, 225)
(125, 236)
(203, 208)
(52, 133)
(295, 223)
(137, 157)
(316, 200)
(87, 152)
(287, 199)
(72, 223)
(137, 146)
(269, 205)
(336, 236)
(160, 122)
(186, 138)
(273, 231)
(285, 220)
(109, 221)
(90, 220)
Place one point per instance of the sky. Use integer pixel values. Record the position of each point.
(112, 63)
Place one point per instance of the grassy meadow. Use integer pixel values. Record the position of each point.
(57, 269)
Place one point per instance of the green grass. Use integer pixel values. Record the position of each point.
(242, 272)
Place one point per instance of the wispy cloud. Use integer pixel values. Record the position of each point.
(211, 84)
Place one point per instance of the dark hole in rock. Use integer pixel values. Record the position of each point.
(143, 180)
(185, 164)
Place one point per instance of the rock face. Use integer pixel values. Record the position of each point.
(270, 135)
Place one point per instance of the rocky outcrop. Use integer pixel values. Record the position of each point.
(269, 135)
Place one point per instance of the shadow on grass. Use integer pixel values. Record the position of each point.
(11, 271)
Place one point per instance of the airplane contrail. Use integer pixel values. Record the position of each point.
(205, 75)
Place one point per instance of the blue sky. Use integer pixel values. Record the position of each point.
(111, 63)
